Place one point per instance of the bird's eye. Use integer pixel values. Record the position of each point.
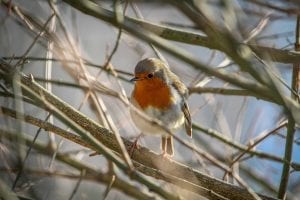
(150, 75)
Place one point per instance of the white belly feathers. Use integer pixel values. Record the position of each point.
(172, 117)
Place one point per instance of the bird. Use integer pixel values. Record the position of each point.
(160, 94)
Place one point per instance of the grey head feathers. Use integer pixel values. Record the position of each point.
(160, 69)
(155, 66)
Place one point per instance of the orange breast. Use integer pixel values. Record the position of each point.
(152, 92)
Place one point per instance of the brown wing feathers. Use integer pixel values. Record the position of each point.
(188, 120)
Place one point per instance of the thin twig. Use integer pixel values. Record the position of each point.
(241, 147)
(111, 182)
(286, 10)
(82, 174)
(48, 69)
(296, 141)
(86, 62)
(256, 142)
(28, 151)
(35, 40)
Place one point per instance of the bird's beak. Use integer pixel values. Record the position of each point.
(135, 79)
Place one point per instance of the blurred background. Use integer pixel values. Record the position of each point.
(52, 59)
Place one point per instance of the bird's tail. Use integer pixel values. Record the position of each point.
(167, 145)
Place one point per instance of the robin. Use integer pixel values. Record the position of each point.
(160, 94)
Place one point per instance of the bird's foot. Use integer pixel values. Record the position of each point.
(134, 145)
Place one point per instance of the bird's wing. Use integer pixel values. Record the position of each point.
(188, 120)
(183, 91)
